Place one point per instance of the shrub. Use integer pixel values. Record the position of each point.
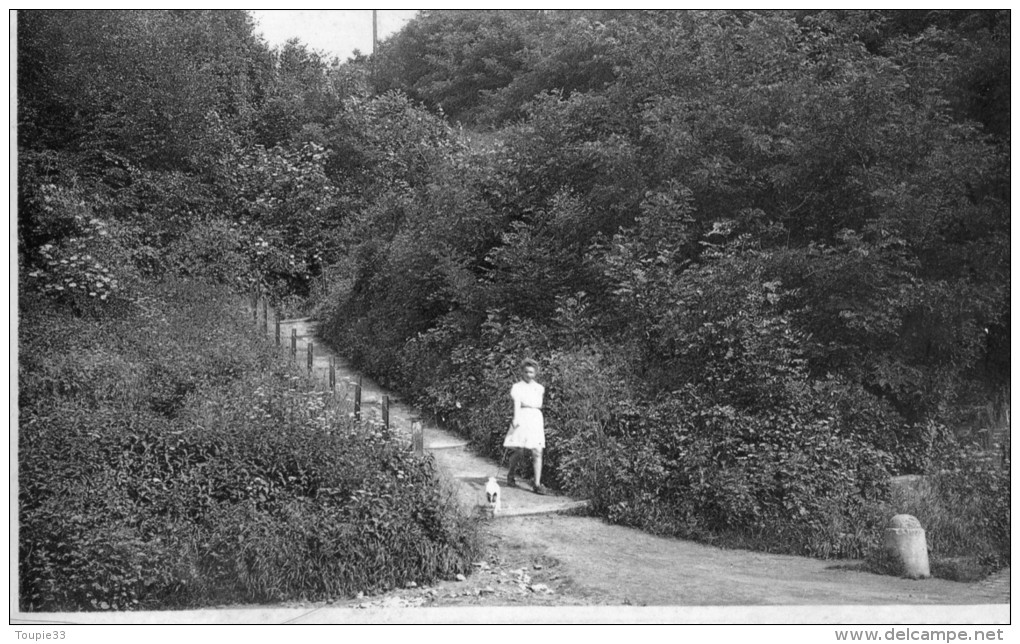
(173, 460)
(69, 253)
(219, 250)
(685, 467)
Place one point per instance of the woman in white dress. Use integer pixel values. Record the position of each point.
(527, 430)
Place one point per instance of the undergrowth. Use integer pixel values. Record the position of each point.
(169, 457)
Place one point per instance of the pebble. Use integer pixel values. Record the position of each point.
(394, 602)
(540, 588)
(538, 566)
(461, 577)
(411, 584)
(487, 590)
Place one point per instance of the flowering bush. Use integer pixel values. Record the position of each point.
(69, 273)
(80, 257)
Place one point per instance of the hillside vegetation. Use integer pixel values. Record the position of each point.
(762, 257)
(168, 456)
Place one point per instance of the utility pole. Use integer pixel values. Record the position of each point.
(375, 30)
(375, 45)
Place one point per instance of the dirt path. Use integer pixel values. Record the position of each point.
(537, 556)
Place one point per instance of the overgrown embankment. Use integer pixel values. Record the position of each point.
(169, 458)
(764, 258)
(752, 309)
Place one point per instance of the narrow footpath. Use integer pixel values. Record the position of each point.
(543, 551)
(469, 471)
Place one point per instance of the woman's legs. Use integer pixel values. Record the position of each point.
(515, 455)
(536, 464)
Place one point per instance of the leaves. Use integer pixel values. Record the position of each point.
(780, 237)
(171, 459)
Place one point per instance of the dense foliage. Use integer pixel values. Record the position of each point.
(183, 140)
(169, 457)
(763, 256)
(483, 67)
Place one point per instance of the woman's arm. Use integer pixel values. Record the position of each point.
(515, 394)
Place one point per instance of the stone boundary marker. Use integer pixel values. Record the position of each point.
(905, 541)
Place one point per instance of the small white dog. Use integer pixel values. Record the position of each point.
(493, 496)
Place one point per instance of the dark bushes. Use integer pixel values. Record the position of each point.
(768, 481)
(763, 268)
(255, 488)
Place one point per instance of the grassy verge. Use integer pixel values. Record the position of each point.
(169, 458)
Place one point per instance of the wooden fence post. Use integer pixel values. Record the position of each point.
(255, 304)
(265, 314)
(310, 354)
(386, 411)
(417, 438)
(293, 344)
(357, 401)
(276, 317)
(332, 375)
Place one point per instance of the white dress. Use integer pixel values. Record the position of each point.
(528, 428)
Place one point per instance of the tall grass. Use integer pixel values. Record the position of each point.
(965, 512)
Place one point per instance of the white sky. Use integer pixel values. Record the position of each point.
(335, 32)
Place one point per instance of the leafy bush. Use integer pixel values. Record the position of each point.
(168, 458)
(67, 248)
(218, 250)
(772, 481)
